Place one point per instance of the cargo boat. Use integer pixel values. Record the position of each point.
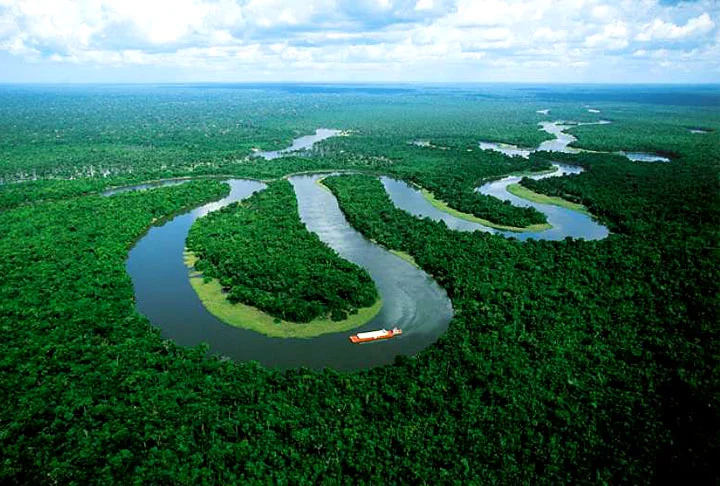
(366, 337)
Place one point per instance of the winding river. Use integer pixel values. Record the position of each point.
(412, 300)
(561, 143)
(300, 143)
(565, 222)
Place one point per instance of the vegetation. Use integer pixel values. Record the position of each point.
(214, 298)
(599, 339)
(567, 362)
(263, 256)
(451, 176)
(442, 206)
(525, 193)
(13, 195)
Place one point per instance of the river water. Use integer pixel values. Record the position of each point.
(300, 143)
(411, 299)
(561, 143)
(145, 187)
(565, 222)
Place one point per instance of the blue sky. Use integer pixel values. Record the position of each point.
(598, 41)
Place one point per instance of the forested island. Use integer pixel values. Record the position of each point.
(261, 255)
(569, 361)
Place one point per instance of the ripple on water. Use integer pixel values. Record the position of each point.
(411, 299)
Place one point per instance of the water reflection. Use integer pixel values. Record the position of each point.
(565, 222)
(300, 143)
(411, 299)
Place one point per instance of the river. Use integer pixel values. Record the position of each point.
(300, 143)
(412, 300)
(565, 222)
(561, 143)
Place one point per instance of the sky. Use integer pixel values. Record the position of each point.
(406, 41)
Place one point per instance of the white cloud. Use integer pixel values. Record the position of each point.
(546, 34)
(498, 12)
(603, 12)
(612, 37)
(17, 47)
(659, 30)
(344, 36)
(424, 5)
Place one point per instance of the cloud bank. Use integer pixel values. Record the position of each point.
(360, 40)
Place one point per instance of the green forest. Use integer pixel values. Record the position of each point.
(566, 362)
(263, 256)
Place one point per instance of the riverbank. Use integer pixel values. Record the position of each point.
(400, 254)
(247, 317)
(443, 206)
(525, 193)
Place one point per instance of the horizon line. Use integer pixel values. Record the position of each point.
(355, 83)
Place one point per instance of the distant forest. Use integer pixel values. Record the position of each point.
(566, 362)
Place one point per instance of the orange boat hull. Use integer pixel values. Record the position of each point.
(355, 339)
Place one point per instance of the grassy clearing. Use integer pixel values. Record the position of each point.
(525, 193)
(248, 317)
(442, 206)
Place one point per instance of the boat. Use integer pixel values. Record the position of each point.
(366, 337)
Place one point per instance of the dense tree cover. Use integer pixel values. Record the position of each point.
(567, 362)
(12, 195)
(264, 256)
(157, 132)
(686, 192)
(90, 131)
(451, 172)
(179, 130)
(665, 131)
(612, 345)
(454, 179)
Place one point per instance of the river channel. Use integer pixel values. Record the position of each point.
(565, 222)
(561, 143)
(300, 143)
(412, 300)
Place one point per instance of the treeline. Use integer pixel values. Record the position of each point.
(451, 172)
(147, 133)
(567, 362)
(175, 130)
(607, 349)
(571, 361)
(264, 256)
(16, 194)
(684, 192)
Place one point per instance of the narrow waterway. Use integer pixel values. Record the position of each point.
(411, 299)
(561, 143)
(300, 143)
(565, 222)
(145, 187)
